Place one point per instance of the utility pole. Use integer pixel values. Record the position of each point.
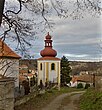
(1, 10)
(94, 80)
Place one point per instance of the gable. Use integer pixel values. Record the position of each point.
(5, 51)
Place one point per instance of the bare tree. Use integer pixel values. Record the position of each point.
(24, 29)
(1, 9)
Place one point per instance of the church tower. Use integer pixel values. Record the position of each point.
(48, 64)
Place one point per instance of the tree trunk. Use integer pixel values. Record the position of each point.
(1, 9)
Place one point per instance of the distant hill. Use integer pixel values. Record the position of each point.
(93, 67)
(77, 66)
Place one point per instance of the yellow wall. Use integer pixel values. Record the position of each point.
(47, 73)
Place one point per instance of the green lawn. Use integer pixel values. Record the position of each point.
(91, 100)
(42, 99)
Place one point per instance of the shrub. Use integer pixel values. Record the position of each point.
(87, 86)
(80, 85)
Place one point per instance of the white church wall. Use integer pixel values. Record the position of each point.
(53, 75)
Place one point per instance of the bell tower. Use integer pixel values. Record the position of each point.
(49, 64)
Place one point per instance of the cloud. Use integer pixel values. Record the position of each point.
(77, 39)
(75, 55)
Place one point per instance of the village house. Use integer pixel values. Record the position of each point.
(48, 64)
(84, 79)
(26, 72)
(91, 79)
(9, 62)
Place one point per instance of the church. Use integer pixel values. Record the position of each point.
(48, 64)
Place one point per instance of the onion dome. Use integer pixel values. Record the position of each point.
(48, 36)
(48, 51)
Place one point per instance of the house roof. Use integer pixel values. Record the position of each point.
(49, 58)
(74, 79)
(5, 51)
(85, 78)
(30, 75)
(22, 78)
(23, 71)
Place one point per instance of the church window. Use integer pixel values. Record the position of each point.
(40, 66)
(52, 66)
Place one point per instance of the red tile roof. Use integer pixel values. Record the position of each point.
(5, 51)
(74, 79)
(49, 58)
(22, 78)
(30, 75)
(85, 78)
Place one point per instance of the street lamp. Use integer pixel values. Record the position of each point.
(1, 10)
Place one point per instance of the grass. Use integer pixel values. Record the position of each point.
(36, 103)
(91, 100)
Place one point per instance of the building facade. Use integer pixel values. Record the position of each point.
(48, 64)
(9, 63)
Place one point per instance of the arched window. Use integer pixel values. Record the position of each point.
(52, 66)
(40, 66)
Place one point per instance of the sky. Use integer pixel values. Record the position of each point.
(78, 40)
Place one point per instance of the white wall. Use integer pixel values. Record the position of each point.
(52, 74)
(10, 67)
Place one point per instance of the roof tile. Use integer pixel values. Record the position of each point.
(5, 51)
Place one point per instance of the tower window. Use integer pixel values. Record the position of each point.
(52, 66)
(40, 66)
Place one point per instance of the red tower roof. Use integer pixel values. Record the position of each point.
(48, 36)
(48, 51)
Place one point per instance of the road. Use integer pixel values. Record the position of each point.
(68, 101)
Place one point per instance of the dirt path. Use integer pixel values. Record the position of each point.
(58, 103)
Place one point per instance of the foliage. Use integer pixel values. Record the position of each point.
(26, 87)
(91, 100)
(32, 81)
(65, 70)
(41, 86)
(80, 85)
(87, 86)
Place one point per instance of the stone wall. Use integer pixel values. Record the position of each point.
(6, 94)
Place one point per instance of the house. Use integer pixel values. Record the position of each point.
(9, 62)
(73, 82)
(48, 64)
(23, 70)
(91, 79)
(26, 72)
(84, 79)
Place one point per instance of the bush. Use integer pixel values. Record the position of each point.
(80, 85)
(87, 86)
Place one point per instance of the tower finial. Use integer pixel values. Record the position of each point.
(48, 33)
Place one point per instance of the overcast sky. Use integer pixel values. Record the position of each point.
(76, 39)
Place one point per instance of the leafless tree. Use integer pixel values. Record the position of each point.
(1, 9)
(23, 28)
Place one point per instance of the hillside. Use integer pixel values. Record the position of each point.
(91, 67)
(77, 66)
